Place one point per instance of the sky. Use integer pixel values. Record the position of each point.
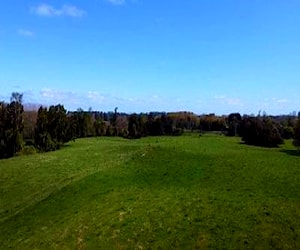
(203, 56)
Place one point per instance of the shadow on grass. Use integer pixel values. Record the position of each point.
(256, 146)
(293, 152)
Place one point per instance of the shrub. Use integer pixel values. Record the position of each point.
(296, 141)
(287, 132)
(27, 150)
(260, 132)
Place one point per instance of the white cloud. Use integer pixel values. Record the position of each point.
(116, 2)
(72, 11)
(44, 10)
(71, 99)
(94, 96)
(47, 10)
(282, 101)
(25, 32)
(47, 93)
(224, 100)
(51, 96)
(122, 2)
(275, 105)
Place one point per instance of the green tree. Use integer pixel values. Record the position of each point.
(11, 126)
(84, 123)
(134, 130)
(234, 120)
(260, 132)
(296, 141)
(52, 128)
(113, 122)
(43, 140)
(71, 128)
(57, 124)
(3, 126)
(14, 118)
(99, 127)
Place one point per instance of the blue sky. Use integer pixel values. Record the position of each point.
(203, 56)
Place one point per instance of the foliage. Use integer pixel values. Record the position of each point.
(43, 140)
(99, 127)
(184, 120)
(134, 126)
(153, 193)
(29, 118)
(84, 123)
(234, 121)
(28, 150)
(212, 122)
(52, 128)
(144, 125)
(287, 132)
(260, 132)
(57, 123)
(296, 141)
(11, 126)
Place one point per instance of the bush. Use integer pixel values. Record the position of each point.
(177, 132)
(287, 132)
(296, 141)
(28, 150)
(260, 132)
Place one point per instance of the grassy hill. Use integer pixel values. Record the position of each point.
(185, 192)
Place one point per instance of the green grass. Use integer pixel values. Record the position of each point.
(184, 192)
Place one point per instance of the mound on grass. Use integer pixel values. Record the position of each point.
(185, 192)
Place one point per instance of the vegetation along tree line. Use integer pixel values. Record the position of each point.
(24, 131)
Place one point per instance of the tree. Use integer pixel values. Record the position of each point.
(212, 123)
(57, 124)
(14, 132)
(133, 126)
(260, 132)
(234, 120)
(11, 126)
(296, 141)
(52, 128)
(155, 126)
(29, 118)
(42, 139)
(84, 123)
(3, 127)
(99, 127)
(71, 128)
(113, 122)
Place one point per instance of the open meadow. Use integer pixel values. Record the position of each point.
(186, 192)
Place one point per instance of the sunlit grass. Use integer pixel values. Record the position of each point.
(157, 192)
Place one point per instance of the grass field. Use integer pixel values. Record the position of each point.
(188, 192)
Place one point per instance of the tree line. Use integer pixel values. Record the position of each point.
(49, 128)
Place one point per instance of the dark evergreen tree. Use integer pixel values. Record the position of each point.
(43, 139)
(134, 127)
(84, 123)
(296, 141)
(99, 127)
(52, 128)
(15, 110)
(260, 132)
(71, 128)
(234, 121)
(57, 124)
(3, 128)
(113, 122)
